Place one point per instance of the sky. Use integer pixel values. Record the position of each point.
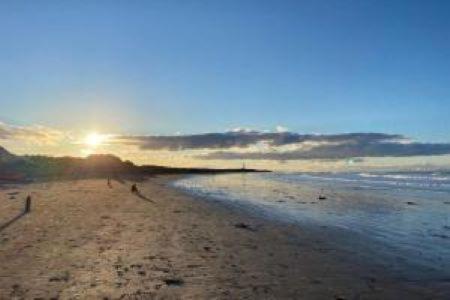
(171, 68)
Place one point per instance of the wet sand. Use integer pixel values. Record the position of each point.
(84, 240)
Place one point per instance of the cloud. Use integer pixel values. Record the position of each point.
(244, 143)
(33, 134)
(341, 151)
(244, 139)
(284, 145)
(280, 128)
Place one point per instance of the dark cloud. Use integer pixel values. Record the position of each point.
(304, 146)
(243, 139)
(341, 151)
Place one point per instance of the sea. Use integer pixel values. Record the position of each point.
(397, 220)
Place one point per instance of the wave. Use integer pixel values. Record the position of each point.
(432, 176)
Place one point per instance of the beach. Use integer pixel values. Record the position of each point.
(85, 240)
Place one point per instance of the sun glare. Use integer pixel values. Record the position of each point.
(94, 139)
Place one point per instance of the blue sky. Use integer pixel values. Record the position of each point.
(161, 67)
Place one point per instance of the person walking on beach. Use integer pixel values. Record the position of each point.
(134, 188)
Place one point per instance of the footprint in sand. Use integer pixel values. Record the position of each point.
(193, 266)
(17, 291)
(174, 281)
(60, 277)
(244, 226)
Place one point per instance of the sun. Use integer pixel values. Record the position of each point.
(94, 139)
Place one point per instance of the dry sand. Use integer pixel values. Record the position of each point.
(84, 240)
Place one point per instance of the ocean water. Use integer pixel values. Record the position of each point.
(400, 220)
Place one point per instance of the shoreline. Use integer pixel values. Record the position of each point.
(83, 239)
(361, 242)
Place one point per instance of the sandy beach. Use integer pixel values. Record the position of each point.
(85, 240)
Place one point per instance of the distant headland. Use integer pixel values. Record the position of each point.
(29, 167)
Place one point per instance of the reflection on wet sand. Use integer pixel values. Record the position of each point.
(405, 229)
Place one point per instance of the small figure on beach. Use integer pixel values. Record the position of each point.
(134, 188)
(322, 196)
(109, 182)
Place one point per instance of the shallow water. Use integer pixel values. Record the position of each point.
(400, 219)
